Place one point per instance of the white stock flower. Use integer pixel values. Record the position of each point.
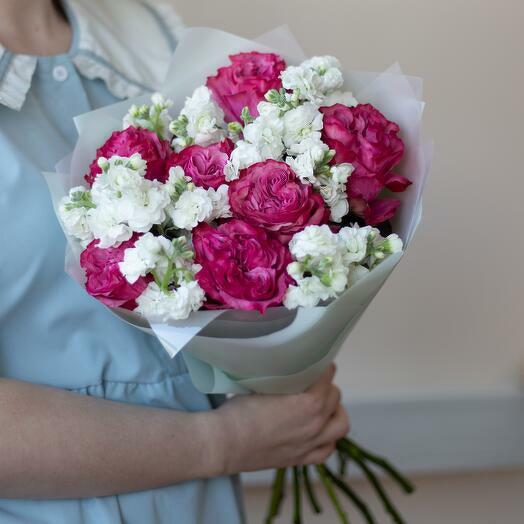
(340, 173)
(244, 155)
(192, 207)
(176, 304)
(306, 157)
(154, 117)
(339, 208)
(308, 293)
(126, 202)
(315, 242)
(345, 98)
(332, 187)
(312, 146)
(303, 166)
(149, 253)
(205, 119)
(73, 211)
(355, 242)
(265, 132)
(314, 78)
(295, 271)
(393, 244)
(107, 228)
(220, 201)
(303, 122)
(145, 207)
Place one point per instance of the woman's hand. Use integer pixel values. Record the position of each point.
(273, 431)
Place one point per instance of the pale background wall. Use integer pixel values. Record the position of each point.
(448, 321)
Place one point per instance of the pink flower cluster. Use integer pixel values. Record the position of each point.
(245, 82)
(363, 137)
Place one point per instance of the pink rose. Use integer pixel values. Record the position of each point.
(269, 195)
(133, 140)
(205, 165)
(245, 82)
(105, 282)
(362, 136)
(242, 267)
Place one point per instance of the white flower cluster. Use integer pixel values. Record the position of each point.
(289, 127)
(174, 294)
(201, 121)
(154, 117)
(191, 205)
(327, 263)
(317, 79)
(122, 202)
(177, 304)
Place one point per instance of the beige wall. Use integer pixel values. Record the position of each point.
(449, 320)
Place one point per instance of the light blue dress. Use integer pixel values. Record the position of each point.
(53, 333)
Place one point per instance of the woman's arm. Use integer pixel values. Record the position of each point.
(56, 444)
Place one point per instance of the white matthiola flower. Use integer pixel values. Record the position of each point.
(393, 244)
(125, 201)
(312, 146)
(203, 118)
(191, 208)
(339, 208)
(314, 78)
(107, 228)
(341, 173)
(308, 293)
(304, 167)
(244, 155)
(145, 207)
(314, 241)
(332, 187)
(149, 253)
(310, 153)
(154, 117)
(380, 248)
(177, 304)
(220, 201)
(265, 132)
(302, 123)
(73, 211)
(355, 242)
(345, 98)
(295, 271)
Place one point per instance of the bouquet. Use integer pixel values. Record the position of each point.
(247, 215)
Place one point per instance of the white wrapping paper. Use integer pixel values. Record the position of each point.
(282, 351)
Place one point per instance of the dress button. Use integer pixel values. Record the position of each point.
(60, 73)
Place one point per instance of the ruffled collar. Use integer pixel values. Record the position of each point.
(105, 46)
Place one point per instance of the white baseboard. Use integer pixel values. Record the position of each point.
(438, 435)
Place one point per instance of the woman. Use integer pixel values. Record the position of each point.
(97, 424)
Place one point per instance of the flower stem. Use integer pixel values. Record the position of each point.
(321, 470)
(357, 501)
(277, 495)
(388, 504)
(315, 506)
(297, 497)
(342, 464)
(403, 482)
